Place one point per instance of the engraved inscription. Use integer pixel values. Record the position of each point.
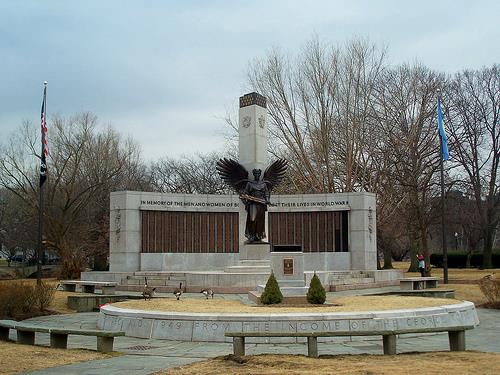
(288, 266)
(211, 326)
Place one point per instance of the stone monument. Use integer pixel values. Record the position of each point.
(199, 239)
(252, 149)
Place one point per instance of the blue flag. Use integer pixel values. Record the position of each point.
(442, 134)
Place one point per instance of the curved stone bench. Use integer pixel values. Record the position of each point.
(212, 327)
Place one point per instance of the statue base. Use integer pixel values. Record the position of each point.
(255, 251)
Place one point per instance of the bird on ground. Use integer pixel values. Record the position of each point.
(147, 291)
(178, 292)
(207, 292)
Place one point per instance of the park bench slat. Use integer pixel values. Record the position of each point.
(58, 335)
(87, 332)
(456, 337)
(346, 333)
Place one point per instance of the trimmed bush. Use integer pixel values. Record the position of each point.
(490, 288)
(272, 293)
(316, 293)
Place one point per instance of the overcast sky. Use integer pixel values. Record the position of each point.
(167, 72)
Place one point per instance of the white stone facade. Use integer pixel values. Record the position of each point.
(125, 230)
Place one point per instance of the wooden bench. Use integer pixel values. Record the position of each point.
(418, 283)
(58, 336)
(107, 287)
(456, 337)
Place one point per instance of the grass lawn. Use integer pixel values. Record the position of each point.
(465, 274)
(432, 363)
(340, 304)
(17, 358)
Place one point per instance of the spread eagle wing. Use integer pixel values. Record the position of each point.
(275, 173)
(233, 173)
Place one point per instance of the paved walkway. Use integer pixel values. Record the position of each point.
(145, 356)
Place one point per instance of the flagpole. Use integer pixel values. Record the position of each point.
(443, 222)
(40, 196)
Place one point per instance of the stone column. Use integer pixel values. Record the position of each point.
(363, 231)
(125, 232)
(252, 154)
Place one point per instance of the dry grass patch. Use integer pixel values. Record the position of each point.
(466, 292)
(342, 304)
(17, 358)
(433, 363)
(471, 274)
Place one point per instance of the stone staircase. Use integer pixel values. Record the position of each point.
(250, 266)
(345, 280)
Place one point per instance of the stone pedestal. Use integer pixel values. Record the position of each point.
(288, 268)
(255, 251)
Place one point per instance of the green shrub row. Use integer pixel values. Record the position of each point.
(316, 294)
(459, 260)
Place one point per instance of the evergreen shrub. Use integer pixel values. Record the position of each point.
(272, 293)
(316, 293)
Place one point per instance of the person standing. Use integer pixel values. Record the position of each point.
(421, 264)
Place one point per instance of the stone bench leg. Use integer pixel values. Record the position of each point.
(108, 290)
(69, 287)
(239, 346)
(431, 284)
(58, 340)
(88, 288)
(312, 346)
(26, 337)
(389, 342)
(457, 341)
(105, 344)
(4, 333)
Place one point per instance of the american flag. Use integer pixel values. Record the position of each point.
(45, 147)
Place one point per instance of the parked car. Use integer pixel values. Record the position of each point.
(17, 258)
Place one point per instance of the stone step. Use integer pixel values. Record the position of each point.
(248, 269)
(291, 283)
(154, 283)
(351, 281)
(159, 273)
(340, 275)
(250, 263)
(287, 290)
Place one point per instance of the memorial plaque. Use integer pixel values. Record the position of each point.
(288, 266)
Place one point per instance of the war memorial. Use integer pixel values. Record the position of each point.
(200, 239)
(232, 243)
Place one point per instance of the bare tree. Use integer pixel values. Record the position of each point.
(321, 110)
(407, 105)
(84, 164)
(472, 103)
(188, 174)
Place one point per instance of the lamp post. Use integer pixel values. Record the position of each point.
(456, 241)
